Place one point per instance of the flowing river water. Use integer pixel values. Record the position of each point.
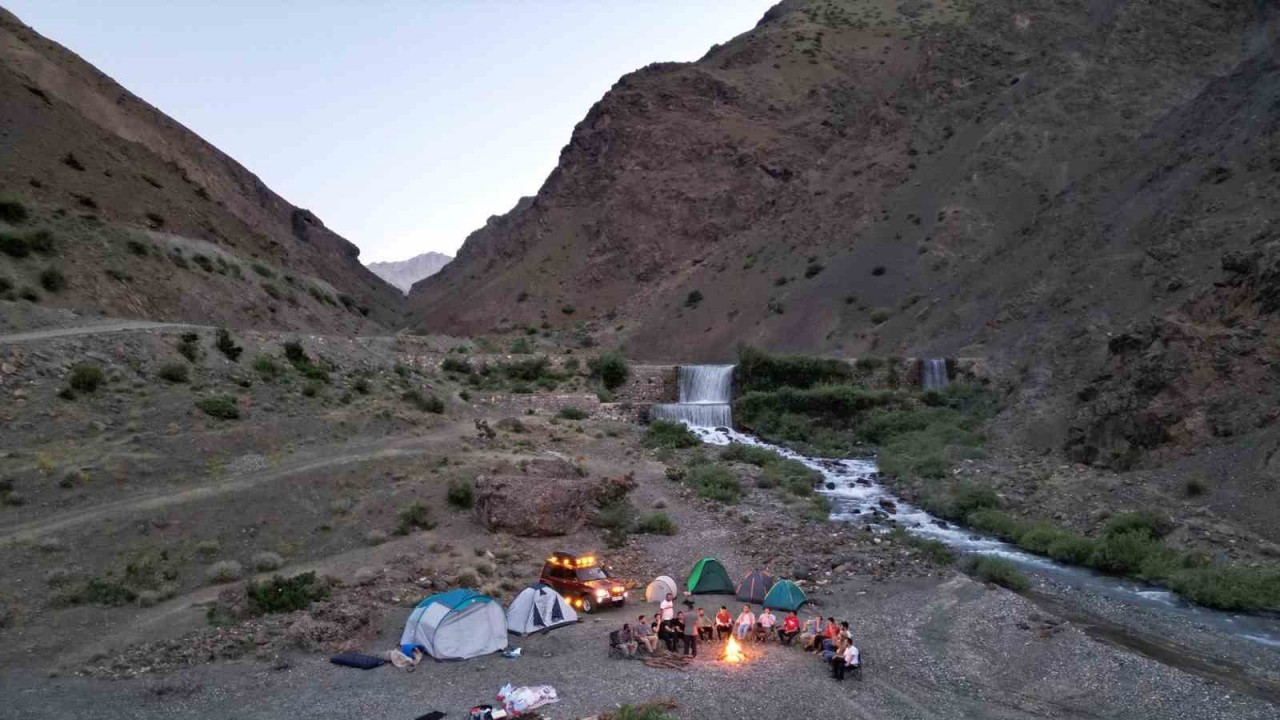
(856, 496)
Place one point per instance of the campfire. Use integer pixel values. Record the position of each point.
(733, 652)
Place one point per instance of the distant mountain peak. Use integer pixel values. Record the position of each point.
(404, 273)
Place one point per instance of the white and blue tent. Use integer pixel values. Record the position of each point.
(538, 608)
(455, 625)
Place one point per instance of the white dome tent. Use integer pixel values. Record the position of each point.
(658, 590)
(455, 625)
(538, 608)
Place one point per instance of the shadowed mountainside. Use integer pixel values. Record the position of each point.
(149, 220)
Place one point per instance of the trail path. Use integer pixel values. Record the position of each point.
(99, 329)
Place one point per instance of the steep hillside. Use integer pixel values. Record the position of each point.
(404, 273)
(902, 178)
(147, 219)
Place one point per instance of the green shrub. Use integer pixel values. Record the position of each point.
(757, 370)
(203, 262)
(6, 286)
(41, 241)
(227, 345)
(669, 434)
(813, 269)
(462, 494)
(693, 298)
(933, 550)
(1229, 587)
(880, 315)
(1123, 553)
(1071, 549)
(267, 367)
(14, 245)
(530, 370)
(1154, 524)
(611, 368)
(272, 291)
(995, 522)
(521, 347)
(264, 271)
(615, 518)
(12, 211)
(137, 247)
(995, 570)
(29, 295)
(362, 385)
(189, 346)
(714, 482)
(1194, 487)
(174, 372)
(572, 413)
(86, 378)
(283, 595)
(414, 516)
(647, 711)
(425, 403)
(222, 407)
(101, 591)
(457, 365)
(656, 523)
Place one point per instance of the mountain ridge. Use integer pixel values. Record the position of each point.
(404, 273)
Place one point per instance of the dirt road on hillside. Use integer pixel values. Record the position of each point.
(106, 327)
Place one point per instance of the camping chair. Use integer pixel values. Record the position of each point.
(616, 648)
(855, 671)
(760, 633)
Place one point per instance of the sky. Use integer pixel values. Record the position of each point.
(402, 124)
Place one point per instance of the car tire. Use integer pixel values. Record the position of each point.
(588, 605)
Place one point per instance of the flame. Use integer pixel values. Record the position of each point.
(733, 652)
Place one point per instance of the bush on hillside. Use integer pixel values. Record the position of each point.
(283, 595)
(223, 407)
(758, 370)
(457, 365)
(693, 298)
(1154, 524)
(611, 368)
(13, 211)
(462, 494)
(414, 516)
(714, 482)
(572, 413)
(655, 523)
(52, 280)
(227, 345)
(14, 245)
(189, 346)
(174, 372)
(86, 377)
(267, 367)
(669, 434)
(426, 403)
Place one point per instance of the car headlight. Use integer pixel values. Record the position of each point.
(602, 593)
(625, 594)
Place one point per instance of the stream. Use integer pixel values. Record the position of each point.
(856, 496)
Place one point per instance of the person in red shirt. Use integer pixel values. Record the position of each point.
(724, 623)
(832, 631)
(790, 628)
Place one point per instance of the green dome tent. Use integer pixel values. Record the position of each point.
(785, 595)
(755, 586)
(709, 577)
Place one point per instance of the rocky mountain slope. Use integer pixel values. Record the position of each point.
(140, 217)
(404, 273)
(882, 177)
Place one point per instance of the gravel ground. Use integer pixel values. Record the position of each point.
(935, 648)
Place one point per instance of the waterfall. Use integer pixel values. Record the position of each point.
(933, 373)
(705, 392)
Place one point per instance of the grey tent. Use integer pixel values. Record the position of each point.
(538, 608)
(455, 625)
(755, 587)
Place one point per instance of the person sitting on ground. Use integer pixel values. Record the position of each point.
(837, 660)
(675, 630)
(790, 628)
(703, 623)
(767, 621)
(724, 623)
(746, 621)
(626, 640)
(852, 658)
(643, 633)
(690, 635)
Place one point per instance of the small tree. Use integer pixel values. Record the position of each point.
(227, 345)
(611, 368)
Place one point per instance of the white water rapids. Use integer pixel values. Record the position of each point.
(856, 496)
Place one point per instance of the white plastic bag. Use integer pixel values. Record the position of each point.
(524, 698)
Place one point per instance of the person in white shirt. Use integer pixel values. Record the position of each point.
(850, 658)
(668, 608)
(767, 620)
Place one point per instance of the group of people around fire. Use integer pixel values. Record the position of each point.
(681, 632)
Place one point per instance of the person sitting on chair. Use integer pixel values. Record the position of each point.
(837, 660)
(724, 623)
(626, 640)
(767, 621)
(790, 628)
(644, 636)
(703, 623)
(675, 630)
(746, 622)
(811, 633)
(853, 660)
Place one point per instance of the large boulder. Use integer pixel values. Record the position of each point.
(543, 497)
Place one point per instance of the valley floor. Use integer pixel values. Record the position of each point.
(320, 482)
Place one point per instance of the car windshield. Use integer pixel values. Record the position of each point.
(592, 573)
